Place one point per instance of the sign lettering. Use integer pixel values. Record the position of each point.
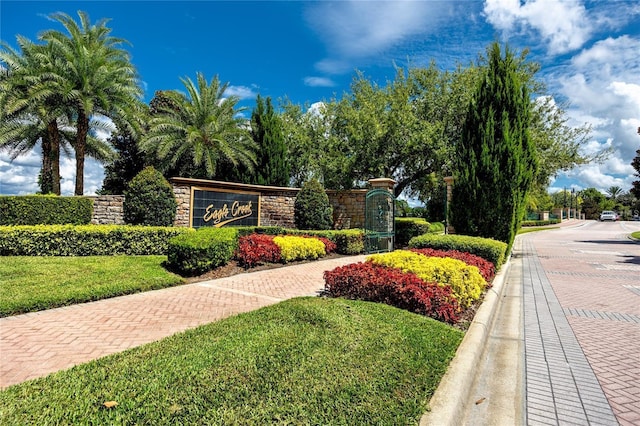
(214, 208)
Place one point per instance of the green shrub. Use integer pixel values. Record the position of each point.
(409, 227)
(491, 250)
(436, 228)
(312, 209)
(85, 240)
(201, 251)
(45, 210)
(465, 281)
(150, 200)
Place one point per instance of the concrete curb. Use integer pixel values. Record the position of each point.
(449, 402)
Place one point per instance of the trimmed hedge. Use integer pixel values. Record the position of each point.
(201, 251)
(465, 281)
(540, 222)
(409, 227)
(375, 283)
(45, 210)
(85, 240)
(436, 228)
(491, 250)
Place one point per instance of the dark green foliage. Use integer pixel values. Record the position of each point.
(407, 228)
(635, 189)
(129, 162)
(85, 240)
(496, 160)
(272, 162)
(488, 249)
(45, 210)
(149, 200)
(592, 202)
(201, 251)
(311, 208)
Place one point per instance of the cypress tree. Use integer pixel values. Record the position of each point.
(272, 163)
(496, 160)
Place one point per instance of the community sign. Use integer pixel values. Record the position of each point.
(220, 208)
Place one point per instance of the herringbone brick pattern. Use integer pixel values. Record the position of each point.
(39, 343)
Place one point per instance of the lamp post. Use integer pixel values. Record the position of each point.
(573, 192)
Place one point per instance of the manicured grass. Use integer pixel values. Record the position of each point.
(526, 230)
(35, 283)
(636, 235)
(302, 361)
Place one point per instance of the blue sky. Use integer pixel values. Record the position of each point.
(309, 51)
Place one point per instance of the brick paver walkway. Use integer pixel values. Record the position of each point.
(39, 343)
(582, 325)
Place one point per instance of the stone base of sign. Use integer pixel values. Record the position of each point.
(107, 210)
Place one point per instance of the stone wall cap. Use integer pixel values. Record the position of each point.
(228, 185)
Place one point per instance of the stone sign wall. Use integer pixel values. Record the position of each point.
(276, 204)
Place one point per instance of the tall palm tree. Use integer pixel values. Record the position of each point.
(94, 76)
(27, 116)
(31, 112)
(200, 128)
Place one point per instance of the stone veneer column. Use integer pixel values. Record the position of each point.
(183, 197)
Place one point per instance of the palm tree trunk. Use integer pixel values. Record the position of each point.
(54, 155)
(46, 183)
(81, 142)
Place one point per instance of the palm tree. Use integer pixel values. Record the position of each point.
(31, 112)
(201, 128)
(26, 115)
(95, 78)
(614, 192)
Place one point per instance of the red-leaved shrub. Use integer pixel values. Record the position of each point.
(255, 249)
(329, 246)
(487, 270)
(375, 283)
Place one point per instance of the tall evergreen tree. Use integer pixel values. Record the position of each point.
(129, 162)
(496, 161)
(272, 162)
(635, 189)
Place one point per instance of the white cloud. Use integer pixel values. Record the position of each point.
(562, 24)
(601, 83)
(243, 92)
(357, 30)
(319, 82)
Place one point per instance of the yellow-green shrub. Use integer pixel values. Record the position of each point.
(297, 248)
(465, 281)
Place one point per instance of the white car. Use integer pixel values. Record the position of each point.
(608, 215)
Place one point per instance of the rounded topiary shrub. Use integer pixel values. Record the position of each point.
(312, 209)
(149, 200)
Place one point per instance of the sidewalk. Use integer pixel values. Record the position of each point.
(39, 343)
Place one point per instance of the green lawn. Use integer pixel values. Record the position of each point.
(636, 235)
(302, 361)
(527, 229)
(35, 283)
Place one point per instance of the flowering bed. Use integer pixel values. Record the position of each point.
(257, 249)
(439, 284)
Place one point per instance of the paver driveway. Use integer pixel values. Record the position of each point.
(594, 274)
